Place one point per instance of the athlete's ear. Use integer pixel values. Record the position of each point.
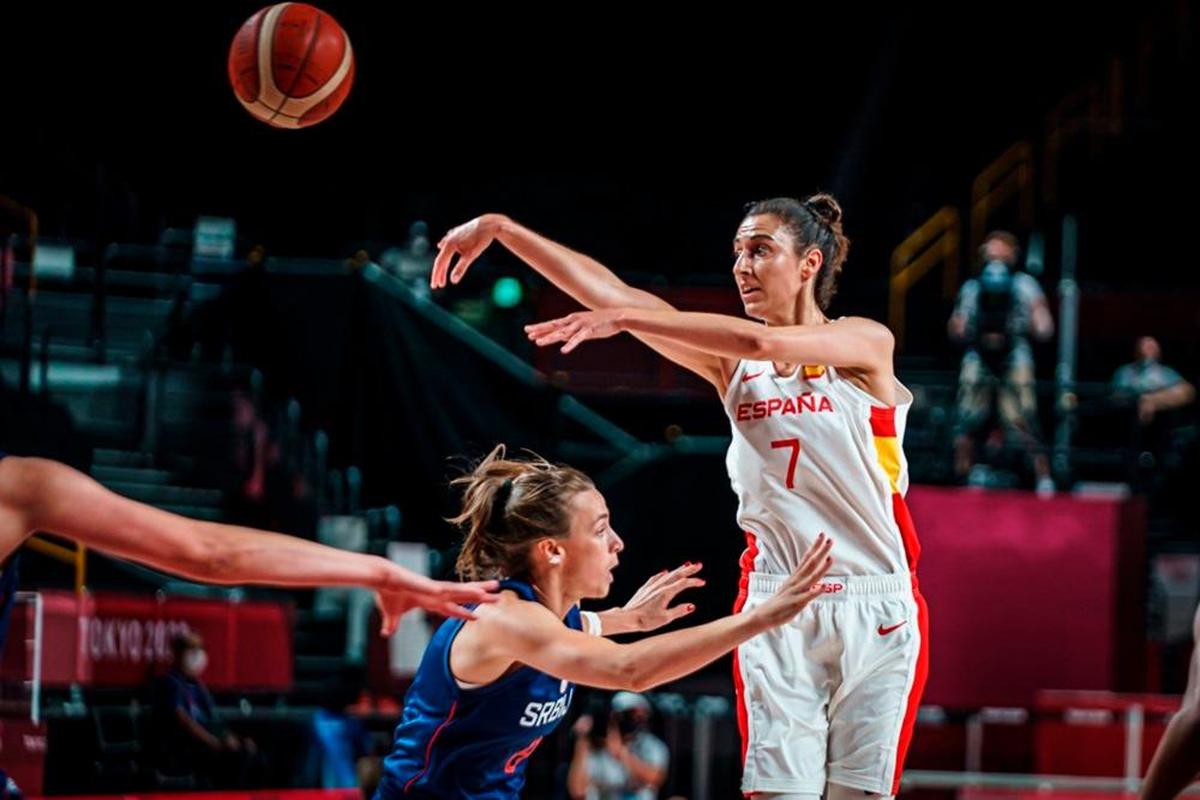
(547, 551)
(810, 262)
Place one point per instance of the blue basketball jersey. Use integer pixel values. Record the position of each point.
(472, 743)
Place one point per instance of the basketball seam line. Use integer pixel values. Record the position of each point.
(287, 93)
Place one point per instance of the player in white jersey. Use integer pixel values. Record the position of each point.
(826, 705)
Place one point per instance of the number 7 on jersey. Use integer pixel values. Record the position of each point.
(794, 444)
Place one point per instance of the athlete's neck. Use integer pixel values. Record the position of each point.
(804, 311)
(550, 592)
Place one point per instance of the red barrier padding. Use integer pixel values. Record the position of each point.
(23, 752)
(1028, 594)
(257, 794)
(112, 640)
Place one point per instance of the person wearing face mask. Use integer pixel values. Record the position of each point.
(191, 737)
(631, 764)
(995, 317)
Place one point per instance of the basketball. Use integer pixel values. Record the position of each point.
(503, 432)
(291, 65)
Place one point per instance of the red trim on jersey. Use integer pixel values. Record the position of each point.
(429, 747)
(516, 759)
(739, 691)
(918, 687)
(883, 424)
(883, 421)
(746, 562)
(749, 556)
(908, 531)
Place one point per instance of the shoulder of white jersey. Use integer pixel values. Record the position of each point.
(735, 377)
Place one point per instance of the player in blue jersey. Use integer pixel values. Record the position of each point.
(488, 690)
(41, 495)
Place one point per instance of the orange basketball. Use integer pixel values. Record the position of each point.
(291, 65)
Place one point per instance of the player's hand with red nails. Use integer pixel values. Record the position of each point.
(801, 586)
(650, 607)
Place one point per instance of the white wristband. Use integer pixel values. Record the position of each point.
(591, 623)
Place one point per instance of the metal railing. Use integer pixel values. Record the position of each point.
(938, 242)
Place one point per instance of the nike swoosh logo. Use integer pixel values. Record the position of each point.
(752, 376)
(885, 631)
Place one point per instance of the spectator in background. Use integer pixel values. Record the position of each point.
(631, 764)
(995, 317)
(417, 258)
(249, 298)
(1152, 385)
(412, 262)
(190, 736)
(9, 789)
(340, 741)
(247, 479)
(1160, 436)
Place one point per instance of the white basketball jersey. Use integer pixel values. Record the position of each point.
(814, 453)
